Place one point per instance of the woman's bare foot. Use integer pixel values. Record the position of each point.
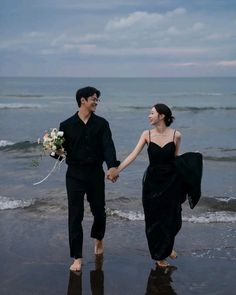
(162, 263)
(173, 255)
(77, 264)
(98, 247)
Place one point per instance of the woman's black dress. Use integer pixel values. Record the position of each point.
(163, 193)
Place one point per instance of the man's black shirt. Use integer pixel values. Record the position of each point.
(90, 143)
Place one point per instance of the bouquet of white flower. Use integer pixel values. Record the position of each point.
(53, 142)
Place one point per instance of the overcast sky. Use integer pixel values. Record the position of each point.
(118, 38)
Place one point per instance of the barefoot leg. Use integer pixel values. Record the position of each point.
(173, 255)
(77, 264)
(98, 247)
(162, 263)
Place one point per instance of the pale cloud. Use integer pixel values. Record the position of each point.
(198, 26)
(68, 33)
(24, 40)
(221, 36)
(172, 28)
(213, 64)
(185, 64)
(143, 18)
(145, 51)
(167, 34)
(86, 5)
(34, 34)
(227, 63)
(176, 12)
(173, 31)
(63, 39)
(135, 18)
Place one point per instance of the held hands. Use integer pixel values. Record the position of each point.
(112, 174)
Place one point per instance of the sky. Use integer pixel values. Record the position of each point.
(117, 38)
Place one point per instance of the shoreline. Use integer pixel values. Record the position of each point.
(35, 259)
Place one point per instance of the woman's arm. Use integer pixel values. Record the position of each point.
(177, 143)
(131, 157)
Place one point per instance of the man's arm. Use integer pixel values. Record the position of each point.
(109, 150)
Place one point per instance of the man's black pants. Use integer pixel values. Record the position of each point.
(83, 180)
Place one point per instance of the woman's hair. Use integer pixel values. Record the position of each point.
(163, 109)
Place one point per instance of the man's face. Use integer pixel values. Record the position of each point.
(91, 103)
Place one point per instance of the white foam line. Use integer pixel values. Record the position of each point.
(7, 203)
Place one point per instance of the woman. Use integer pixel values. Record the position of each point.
(163, 187)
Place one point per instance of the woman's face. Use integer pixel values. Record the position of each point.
(154, 116)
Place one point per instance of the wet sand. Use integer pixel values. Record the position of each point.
(34, 257)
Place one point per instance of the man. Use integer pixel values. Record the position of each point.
(88, 143)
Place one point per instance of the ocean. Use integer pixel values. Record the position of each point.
(204, 111)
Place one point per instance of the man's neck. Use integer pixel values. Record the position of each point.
(84, 115)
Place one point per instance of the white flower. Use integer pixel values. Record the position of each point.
(53, 141)
(53, 134)
(60, 133)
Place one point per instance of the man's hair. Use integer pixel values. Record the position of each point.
(85, 93)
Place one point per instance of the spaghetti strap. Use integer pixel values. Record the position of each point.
(149, 132)
(174, 135)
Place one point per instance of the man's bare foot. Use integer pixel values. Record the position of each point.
(173, 255)
(98, 247)
(77, 264)
(162, 263)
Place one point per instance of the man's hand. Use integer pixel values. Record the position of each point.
(112, 174)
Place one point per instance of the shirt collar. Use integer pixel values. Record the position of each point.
(90, 120)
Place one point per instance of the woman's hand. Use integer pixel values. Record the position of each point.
(112, 174)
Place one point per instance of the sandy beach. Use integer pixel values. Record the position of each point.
(34, 250)
(34, 257)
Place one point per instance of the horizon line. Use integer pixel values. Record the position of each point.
(120, 77)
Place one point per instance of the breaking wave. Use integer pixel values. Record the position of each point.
(191, 94)
(220, 159)
(212, 217)
(24, 95)
(208, 217)
(130, 215)
(11, 106)
(200, 109)
(6, 145)
(184, 108)
(7, 203)
(219, 203)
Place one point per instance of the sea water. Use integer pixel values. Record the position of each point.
(204, 111)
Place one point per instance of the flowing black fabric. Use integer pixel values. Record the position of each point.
(165, 188)
(189, 167)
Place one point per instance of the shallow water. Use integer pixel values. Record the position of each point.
(204, 109)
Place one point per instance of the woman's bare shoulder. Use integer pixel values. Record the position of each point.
(145, 132)
(178, 134)
(145, 135)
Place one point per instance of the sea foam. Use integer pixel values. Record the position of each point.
(5, 143)
(7, 203)
(212, 217)
(208, 217)
(7, 106)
